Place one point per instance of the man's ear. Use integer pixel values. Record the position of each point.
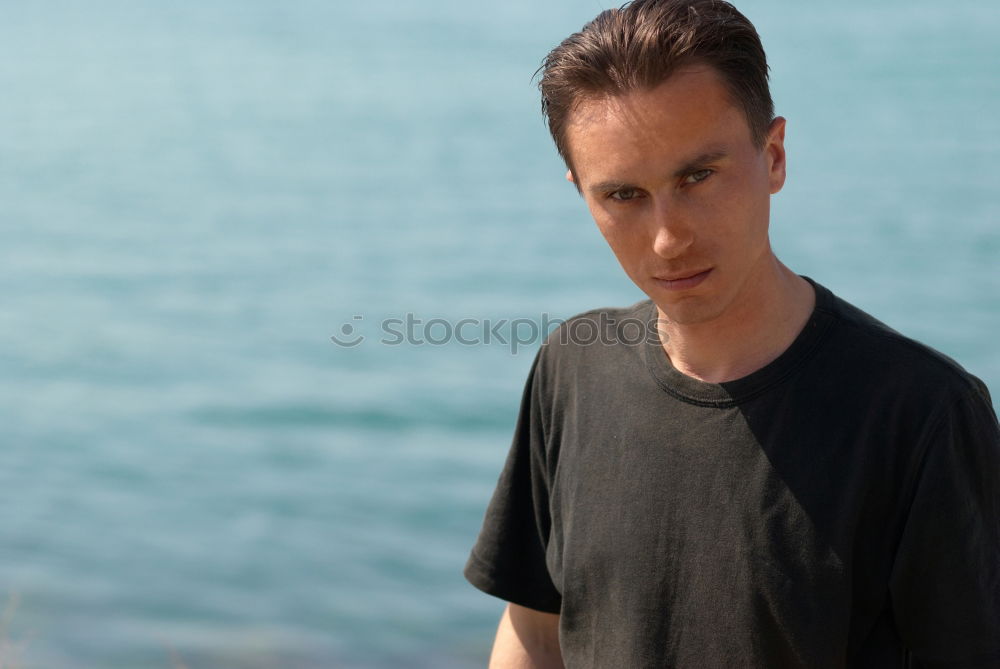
(572, 179)
(774, 148)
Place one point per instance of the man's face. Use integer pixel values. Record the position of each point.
(681, 193)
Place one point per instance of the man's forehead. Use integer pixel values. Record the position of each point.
(689, 114)
(690, 83)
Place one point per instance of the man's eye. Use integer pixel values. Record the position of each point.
(624, 194)
(697, 177)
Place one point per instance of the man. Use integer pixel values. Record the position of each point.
(769, 477)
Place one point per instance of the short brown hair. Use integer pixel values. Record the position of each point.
(641, 44)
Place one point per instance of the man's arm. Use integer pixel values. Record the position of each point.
(526, 639)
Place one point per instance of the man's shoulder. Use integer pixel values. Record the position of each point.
(608, 325)
(598, 342)
(866, 345)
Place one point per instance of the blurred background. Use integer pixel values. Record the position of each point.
(195, 197)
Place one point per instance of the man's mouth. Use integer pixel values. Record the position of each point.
(682, 280)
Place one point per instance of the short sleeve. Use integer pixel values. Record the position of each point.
(945, 583)
(508, 559)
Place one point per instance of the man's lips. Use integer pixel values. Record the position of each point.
(682, 280)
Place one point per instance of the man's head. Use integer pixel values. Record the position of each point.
(662, 112)
(642, 44)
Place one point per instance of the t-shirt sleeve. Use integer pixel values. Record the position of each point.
(509, 557)
(945, 583)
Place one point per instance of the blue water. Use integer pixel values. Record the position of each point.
(194, 197)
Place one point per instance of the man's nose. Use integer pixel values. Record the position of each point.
(672, 234)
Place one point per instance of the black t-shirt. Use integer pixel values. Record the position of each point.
(839, 507)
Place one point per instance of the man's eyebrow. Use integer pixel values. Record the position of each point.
(698, 162)
(610, 186)
(692, 165)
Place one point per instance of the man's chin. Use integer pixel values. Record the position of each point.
(687, 311)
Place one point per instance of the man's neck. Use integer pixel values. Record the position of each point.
(755, 331)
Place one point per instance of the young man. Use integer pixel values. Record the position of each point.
(769, 477)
